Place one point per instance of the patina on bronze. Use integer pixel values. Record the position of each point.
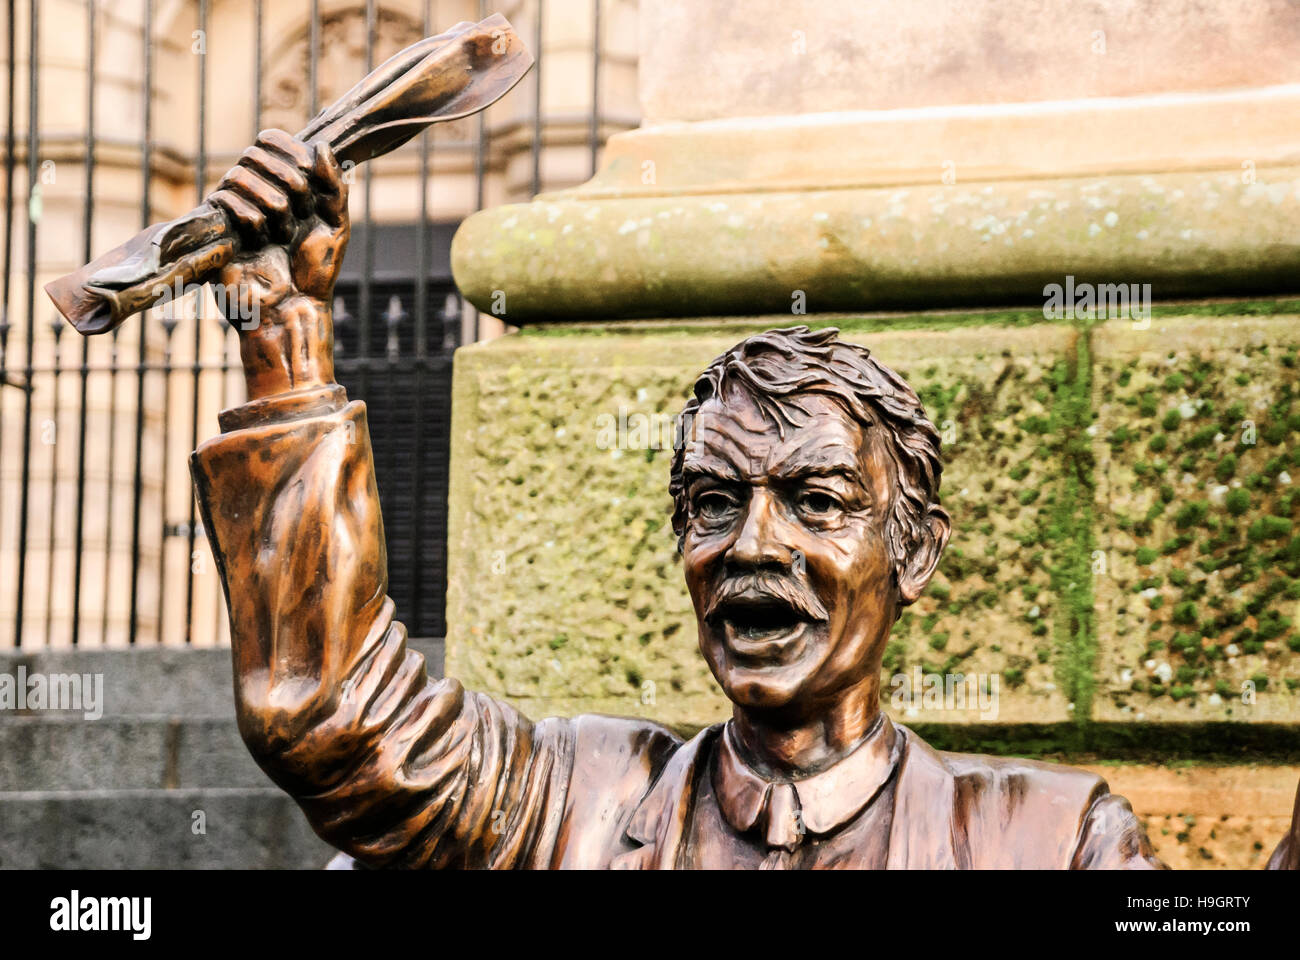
(446, 77)
(806, 503)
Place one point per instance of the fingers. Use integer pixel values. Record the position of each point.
(331, 188)
(248, 219)
(270, 200)
(278, 182)
(279, 171)
(295, 151)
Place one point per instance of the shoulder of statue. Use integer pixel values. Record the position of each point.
(632, 735)
(1009, 786)
(991, 776)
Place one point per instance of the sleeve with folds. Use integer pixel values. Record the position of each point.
(389, 766)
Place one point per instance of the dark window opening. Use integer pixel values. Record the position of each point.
(403, 373)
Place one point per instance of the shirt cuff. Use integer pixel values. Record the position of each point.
(294, 405)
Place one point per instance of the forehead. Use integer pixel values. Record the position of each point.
(734, 435)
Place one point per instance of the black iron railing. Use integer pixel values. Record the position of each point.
(100, 541)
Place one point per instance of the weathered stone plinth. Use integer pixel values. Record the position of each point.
(1208, 817)
(867, 155)
(565, 592)
(1193, 194)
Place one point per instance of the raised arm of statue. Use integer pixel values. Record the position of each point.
(388, 766)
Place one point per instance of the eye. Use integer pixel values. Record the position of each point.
(713, 505)
(818, 504)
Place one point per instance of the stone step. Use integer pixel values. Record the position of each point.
(124, 753)
(159, 681)
(248, 828)
(123, 790)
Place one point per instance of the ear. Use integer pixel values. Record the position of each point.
(923, 559)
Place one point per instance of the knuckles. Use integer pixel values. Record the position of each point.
(291, 198)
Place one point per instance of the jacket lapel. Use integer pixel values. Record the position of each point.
(659, 823)
(921, 834)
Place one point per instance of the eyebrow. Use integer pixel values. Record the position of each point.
(727, 474)
(830, 468)
(705, 469)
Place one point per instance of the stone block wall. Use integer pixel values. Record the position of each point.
(1122, 502)
(1197, 442)
(1123, 563)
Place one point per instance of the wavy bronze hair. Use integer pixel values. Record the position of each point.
(776, 367)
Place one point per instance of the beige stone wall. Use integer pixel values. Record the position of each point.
(1201, 817)
(706, 59)
(231, 123)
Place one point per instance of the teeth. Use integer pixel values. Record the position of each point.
(758, 631)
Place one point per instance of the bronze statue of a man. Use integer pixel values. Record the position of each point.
(807, 510)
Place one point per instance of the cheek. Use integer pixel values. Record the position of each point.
(851, 558)
(699, 561)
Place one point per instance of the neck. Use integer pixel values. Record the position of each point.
(783, 748)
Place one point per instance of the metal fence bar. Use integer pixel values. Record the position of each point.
(480, 167)
(594, 131)
(539, 13)
(10, 139)
(33, 188)
(480, 144)
(169, 322)
(393, 318)
(313, 58)
(368, 248)
(421, 309)
(87, 222)
(56, 327)
(146, 214)
(257, 66)
(200, 191)
(110, 512)
(209, 366)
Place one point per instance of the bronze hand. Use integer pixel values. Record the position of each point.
(288, 200)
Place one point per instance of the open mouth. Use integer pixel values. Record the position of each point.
(761, 619)
(759, 624)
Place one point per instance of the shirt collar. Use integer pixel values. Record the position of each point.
(823, 802)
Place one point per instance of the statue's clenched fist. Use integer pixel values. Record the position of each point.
(288, 200)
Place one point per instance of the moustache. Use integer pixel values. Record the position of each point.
(760, 586)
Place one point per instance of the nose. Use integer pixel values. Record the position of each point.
(759, 542)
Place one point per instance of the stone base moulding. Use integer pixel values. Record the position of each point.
(1192, 193)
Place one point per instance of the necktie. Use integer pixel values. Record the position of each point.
(783, 820)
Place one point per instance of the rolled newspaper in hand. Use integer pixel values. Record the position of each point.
(446, 77)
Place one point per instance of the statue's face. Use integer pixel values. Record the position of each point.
(785, 551)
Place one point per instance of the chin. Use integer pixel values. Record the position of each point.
(760, 686)
(767, 670)
(763, 689)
